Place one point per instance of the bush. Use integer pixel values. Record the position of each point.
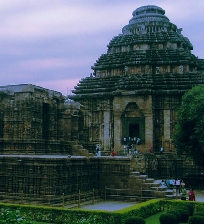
(189, 207)
(12, 216)
(168, 219)
(176, 213)
(135, 220)
(200, 213)
(196, 219)
(184, 214)
(181, 214)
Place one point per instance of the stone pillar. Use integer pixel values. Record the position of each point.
(117, 132)
(167, 136)
(117, 110)
(148, 131)
(107, 131)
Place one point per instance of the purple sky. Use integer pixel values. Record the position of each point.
(53, 44)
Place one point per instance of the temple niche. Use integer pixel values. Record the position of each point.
(136, 87)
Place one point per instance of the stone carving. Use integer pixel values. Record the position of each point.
(147, 69)
(143, 29)
(126, 70)
(157, 70)
(128, 48)
(181, 69)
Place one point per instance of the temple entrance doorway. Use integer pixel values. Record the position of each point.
(133, 130)
(133, 123)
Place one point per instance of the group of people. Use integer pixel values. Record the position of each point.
(179, 185)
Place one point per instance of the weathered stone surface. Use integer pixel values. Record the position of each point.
(137, 85)
(133, 95)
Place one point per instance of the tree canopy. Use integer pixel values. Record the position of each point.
(189, 130)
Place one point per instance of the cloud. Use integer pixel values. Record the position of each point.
(55, 43)
(65, 86)
(46, 63)
(38, 21)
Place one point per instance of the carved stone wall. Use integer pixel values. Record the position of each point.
(150, 66)
(33, 120)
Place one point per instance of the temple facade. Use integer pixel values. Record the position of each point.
(135, 90)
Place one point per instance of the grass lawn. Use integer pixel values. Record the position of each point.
(154, 219)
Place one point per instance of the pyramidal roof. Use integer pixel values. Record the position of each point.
(146, 17)
(150, 49)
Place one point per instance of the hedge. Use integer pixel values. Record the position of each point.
(168, 218)
(135, 220)
(196, 219)
(73, 216)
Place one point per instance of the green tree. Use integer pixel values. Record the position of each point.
(189, 130)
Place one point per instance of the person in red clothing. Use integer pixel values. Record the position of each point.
(191, 195)
(112, 153)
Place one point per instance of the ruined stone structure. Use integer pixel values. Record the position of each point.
(40, 159)
(33, 120)
(136, 87)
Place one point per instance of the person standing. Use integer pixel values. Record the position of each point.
(191, 195)
(172, 182)
(182, 184)
(112, 153)
(183, 194)
(98, 152)
(178, 182)
(168, 183)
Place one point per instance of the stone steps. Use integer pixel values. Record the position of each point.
(141, 188)
(151, 188)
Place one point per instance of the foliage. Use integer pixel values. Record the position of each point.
(94, 219)
(154, 218)
(189, 130)
(143, 210)
(189, 207)
(197, 207)
(12, 216)
(97, 219)
(176, 214)
(182, 213)
(200, 213)
(135, 220)
(196, 219)
(61, 215)
(168, 219)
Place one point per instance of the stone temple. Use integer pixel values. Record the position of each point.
(130, 101)
(136, 87)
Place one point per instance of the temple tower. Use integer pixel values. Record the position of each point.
(136, 86)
